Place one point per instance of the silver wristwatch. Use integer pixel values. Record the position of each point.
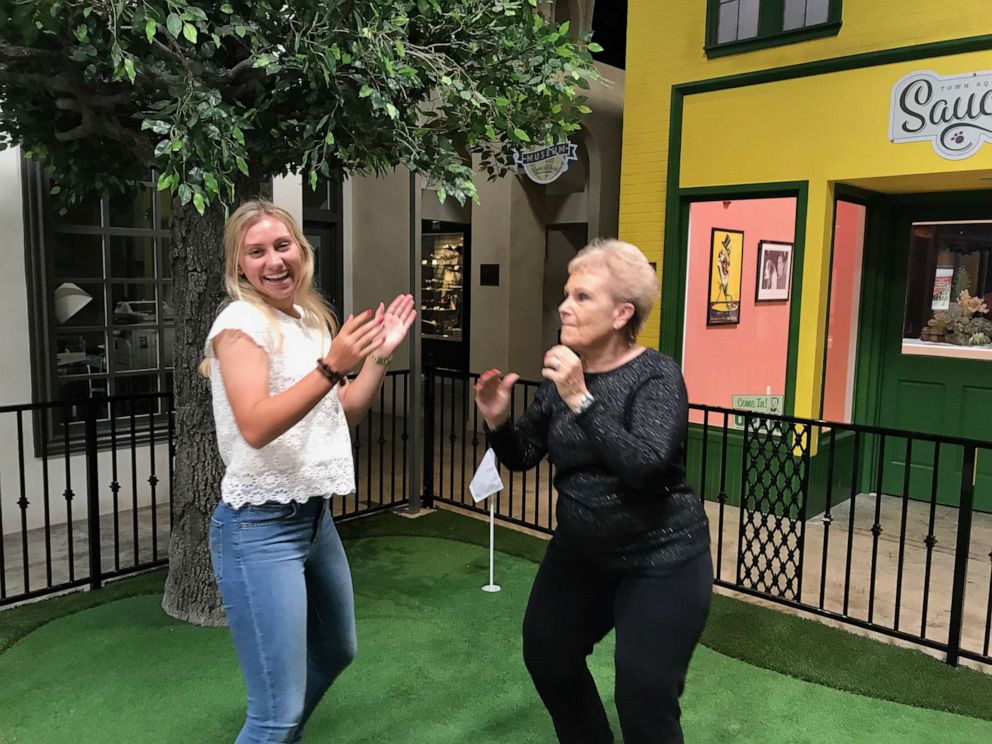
(584, 403)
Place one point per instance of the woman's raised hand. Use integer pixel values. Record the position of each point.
(396, 321)
(492, 396)
(359, 336)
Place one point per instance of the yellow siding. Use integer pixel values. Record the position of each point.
(841, 121)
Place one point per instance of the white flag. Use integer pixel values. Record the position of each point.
(486, 480)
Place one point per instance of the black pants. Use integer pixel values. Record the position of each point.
(658, 614)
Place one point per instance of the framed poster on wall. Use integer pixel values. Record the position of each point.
(726, 259)
(774, 272)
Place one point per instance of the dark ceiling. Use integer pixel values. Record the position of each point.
(609, 26)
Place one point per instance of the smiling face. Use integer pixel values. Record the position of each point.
(589, 313)
(272, 261)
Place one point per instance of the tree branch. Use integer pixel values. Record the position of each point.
(12, 52)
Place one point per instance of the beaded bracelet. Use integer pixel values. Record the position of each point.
(332, 377)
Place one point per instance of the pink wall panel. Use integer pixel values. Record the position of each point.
(845, 285)
(748, 358)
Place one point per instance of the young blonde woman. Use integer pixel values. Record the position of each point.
(631, 549)
(282, 408)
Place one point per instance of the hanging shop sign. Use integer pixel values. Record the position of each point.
(545, 164)
(952, 112)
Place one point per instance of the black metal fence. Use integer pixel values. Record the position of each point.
(86, 486)
(878, 528)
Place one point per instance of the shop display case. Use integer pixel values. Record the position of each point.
(444, 284)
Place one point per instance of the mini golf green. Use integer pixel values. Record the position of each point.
(438, 662)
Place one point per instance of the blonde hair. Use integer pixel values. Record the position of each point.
(631, 278)
(316, 312)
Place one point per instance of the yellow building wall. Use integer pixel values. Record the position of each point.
(820, 129)
(823, 129)
(665, 42)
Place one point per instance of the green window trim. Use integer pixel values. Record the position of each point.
(770, 33)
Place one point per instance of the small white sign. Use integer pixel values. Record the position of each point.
(758, 404)
(952, 112)
(942, 281)
(545, 164)
(486, 480)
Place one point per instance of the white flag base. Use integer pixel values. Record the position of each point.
(491, 588)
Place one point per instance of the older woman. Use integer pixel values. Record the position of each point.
(631, 550)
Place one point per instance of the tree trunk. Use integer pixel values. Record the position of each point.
(198, 267)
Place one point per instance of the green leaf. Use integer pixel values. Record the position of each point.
(400, 49)
(87, 11)
(164, 181)
(365, 92)
(442, 194)
(313, 180)
(391, 110)
(594, 47)
(55, 190)
(329, 139)
(82, 34)
(199, 203)
(502, 102)
(238, 135)
(176, 145)
(210, 181)
(185, 194)
(242, 165)
(175, 25)
(226, 8)
(150, 28)
(521, 135)
(240, 31)
(189, 31)
(129, 68)
(584, 109)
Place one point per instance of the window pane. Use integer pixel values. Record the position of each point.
(747, 26)
(135, 385)
(83, 353)
(132, 258)
(78, 256)
(133, 209)
(794, 14)
(168, 345)
(165, 257)
(79, 304)
(87, 213)
(817, 11)
(134, 303)
(165, 209)
(949, 284)
(724, 321)
(319, 199)
(727, 22)
(135, 348)
(77, 390)
(166, 303)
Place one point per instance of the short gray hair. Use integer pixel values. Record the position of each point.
(632, 278)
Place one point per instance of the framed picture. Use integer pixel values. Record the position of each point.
(726, 260)
(774, 277)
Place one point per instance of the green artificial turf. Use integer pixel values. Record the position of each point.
(765, 638)
(438, 662)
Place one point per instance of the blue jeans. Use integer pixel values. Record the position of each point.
(287, 591)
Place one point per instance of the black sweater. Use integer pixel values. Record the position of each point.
(619, 466)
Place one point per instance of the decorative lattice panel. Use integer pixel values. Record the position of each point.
(773, 507)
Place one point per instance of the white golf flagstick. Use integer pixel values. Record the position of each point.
(485, 484)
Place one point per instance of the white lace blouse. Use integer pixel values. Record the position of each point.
(314, 457)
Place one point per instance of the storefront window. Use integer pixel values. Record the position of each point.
(738, 290)
(949, 290)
